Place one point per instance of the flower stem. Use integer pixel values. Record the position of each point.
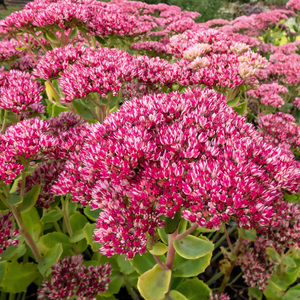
(186, 233)
(65, 209)
(29, 240)
(171, 250)
(160, 263)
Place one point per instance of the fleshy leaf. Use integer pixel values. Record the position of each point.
(248, 234)
(192, 247)
(32, 223)
(175, 295)
(51, 216)
(154, 284)
(190, 267)
(159, 249)
(192, 288)
(14, 199)
(30, 198)
(143, 263)
(172, 223)
(50, 259)
(18, 276)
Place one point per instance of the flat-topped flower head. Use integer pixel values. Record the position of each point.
(166, 153)
(18, 91)
(293, 4)
(72, 279)
(269, 94)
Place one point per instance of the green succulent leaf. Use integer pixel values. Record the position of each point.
(171, 224)
(14, 199)
(143, 263)
(125, 265)
(93, 215)
(18, 276)
(248, 234)
(32, 223)
(255, 293)
(52, 216)
(190, 267)
(159, 249)
(192, 288)
(50, 259)
(175, 295)
(154, 284)
(192, 247)
(241, 108)
(51, 239)
(293, 293)
(30, 198)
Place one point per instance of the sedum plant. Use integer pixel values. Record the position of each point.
(143, 152)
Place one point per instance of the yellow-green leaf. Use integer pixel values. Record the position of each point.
(192, 247)
(159, 249)
(154, 284)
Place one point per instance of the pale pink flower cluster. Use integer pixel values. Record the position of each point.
(280, 129)
(71, 278)
(285, 68)
(19, 90)
(297, 102)
(293, 4)
(255, 265)
(281, 234)
(164, 153)
(287, 49)
(7, 232)
(215, 296)
(254, 25)
(268, 94)
(215, 59)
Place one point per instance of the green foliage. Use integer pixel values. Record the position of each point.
(192, 247)
(154, 283)
(190, 267)
(16, 277)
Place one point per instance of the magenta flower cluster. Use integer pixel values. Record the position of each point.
(71, 278)
(162, 154)
(19, 91)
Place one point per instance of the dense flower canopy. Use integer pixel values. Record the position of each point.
(179, 152)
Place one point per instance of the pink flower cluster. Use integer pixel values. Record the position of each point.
(255, 265)
(68, 130)
(268, 94)
(215, 59)
(7, 232)
(166, 153)
(71, 278)
(281, 234)
(293, 4)
(19, 91)
(281, 130)
(96, 17)
(297, 102)
(21, 143)
(84, 70)
(284, 68)
(215, 296)
(28, 139)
